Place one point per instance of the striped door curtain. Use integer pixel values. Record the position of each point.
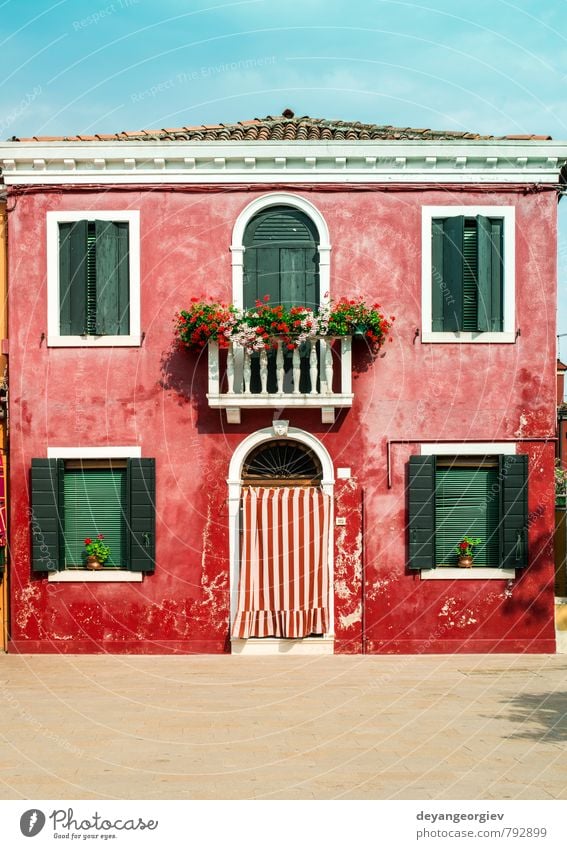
(284, 580)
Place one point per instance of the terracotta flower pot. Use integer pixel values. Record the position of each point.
(93, 562)
(465, 560)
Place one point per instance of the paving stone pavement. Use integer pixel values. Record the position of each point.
(222, 727)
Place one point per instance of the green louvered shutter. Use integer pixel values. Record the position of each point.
(421, 512)
(142, 510)
(447, 273)
(470, 266)
(490, 274)
(94, 503)
(46, 512)
(73, 278)
(281, 258)
(467, 503)
(514, 510)
(112, 278)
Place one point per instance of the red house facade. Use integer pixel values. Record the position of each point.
(307, 501)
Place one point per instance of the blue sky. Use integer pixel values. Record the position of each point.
(495, 66)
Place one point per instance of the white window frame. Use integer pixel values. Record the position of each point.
(455, 573)
(95, 453)
(265, 202)
(54, 337)
(508, 334)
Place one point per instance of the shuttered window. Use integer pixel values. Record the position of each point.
(281, 258)
(94, 288)
(466, 504)
(467, 274)
(94, 502)
(75, 499)
(453, 497)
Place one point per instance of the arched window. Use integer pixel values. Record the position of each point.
(282, 462)
(281, 258)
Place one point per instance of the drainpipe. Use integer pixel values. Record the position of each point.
(364, 639)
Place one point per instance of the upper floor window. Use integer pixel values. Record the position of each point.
(468, 274)
(281, 258)
(93, 278)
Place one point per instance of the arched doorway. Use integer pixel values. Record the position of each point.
(281, 551)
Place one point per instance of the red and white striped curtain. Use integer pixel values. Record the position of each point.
(284, 579)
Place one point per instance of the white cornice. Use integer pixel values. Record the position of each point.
(461, 161)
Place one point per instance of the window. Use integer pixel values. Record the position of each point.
(93, 278)
(77, 498)
(478, 496)
(281, 258)
(468, 274)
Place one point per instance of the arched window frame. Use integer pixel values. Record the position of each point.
(279, 199)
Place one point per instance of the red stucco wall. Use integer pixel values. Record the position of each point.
(155, 397)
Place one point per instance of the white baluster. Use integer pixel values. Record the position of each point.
(264, 371)
(280, 371)
(313, 366)
(230, 369)
(214, 382)
(346, 365)
(296, 366)
(247, 371)
(329, 367)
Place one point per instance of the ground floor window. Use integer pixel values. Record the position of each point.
(482, 497)
(466, 503)
(78, 499)
(94, 504)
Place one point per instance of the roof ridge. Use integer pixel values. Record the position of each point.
(287, 127)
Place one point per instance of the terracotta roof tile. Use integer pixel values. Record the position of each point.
(286, 127)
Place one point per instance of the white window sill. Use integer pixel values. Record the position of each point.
(457, 573)
(132, 341)
(460, 336)
(97, 576)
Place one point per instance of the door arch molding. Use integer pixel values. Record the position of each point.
(234, 482)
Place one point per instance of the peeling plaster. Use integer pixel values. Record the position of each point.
(352, 618)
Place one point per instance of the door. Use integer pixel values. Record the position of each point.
(283, 589)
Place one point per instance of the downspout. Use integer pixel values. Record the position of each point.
(364, 638)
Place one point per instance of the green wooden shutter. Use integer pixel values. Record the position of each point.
(281, 258)
(437, 285)
(514, 510)
(142, 499)
(453, 266)
(94, 503)
(421, 512)
(490, 274)
(467, 503)
(46, 514)
(447, 273)
(73, 278)
(112, 278)
(470, 274)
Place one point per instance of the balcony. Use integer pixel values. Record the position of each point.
(316, 376)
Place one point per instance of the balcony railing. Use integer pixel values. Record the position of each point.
(316, 375)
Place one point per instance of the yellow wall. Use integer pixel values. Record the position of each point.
(3, 435)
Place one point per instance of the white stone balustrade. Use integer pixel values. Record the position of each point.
(317, 376)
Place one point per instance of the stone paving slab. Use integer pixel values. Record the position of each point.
(210, 727)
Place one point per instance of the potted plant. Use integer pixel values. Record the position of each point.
(264, 326)
(358, 319)
(465, 550)
(97, 552)
(560, 485)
